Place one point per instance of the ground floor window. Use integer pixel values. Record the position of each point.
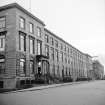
(1, 84)
(69, 72)
(22, 66)
(63, 71)
(31, 66)
(66, 72)
(2, 42)
(2, 66)
(58, 70)
(54, 70)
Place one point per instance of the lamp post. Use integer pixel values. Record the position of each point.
(30, 5)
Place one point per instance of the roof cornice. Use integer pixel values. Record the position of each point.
(15, 5)
(62, 40)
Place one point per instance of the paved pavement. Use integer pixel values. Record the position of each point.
(37, 87)
(41, 87)
(86, 93)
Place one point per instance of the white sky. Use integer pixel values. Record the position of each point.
(79, 22)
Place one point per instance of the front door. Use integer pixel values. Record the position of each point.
(39, 68)
(45, 67)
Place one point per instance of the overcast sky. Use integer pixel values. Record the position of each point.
(79, 22)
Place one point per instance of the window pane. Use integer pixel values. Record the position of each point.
(61, 56)
(39, 47)
(31, 67)
(58, 73)
(22, 66)
(47, 50)
(31, 45)
(65, 58)
(56, 43)
(2, 42)
(39, 31)
(46, 39)
(2, 22)
(22, 43)
(31, 28)
(68, 50)
(2, 65)
(52, 53)
(52, 41)
(22, 23)
(54, 70)
(56, 54)
(61, 46)
(65, 47)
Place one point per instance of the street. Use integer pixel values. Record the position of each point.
(89, 93)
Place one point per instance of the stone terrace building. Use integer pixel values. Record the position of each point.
(27, 48)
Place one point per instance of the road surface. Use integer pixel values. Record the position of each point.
(89, 93)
